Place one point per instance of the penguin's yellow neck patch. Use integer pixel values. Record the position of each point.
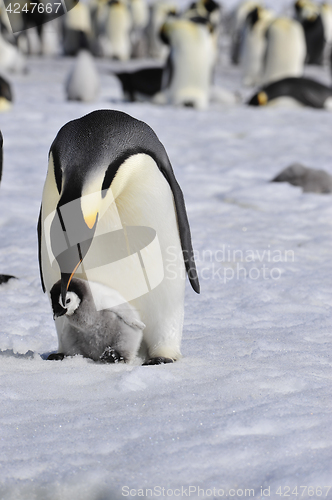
(262, 98)
(91, 199)
(5, 105)
(90, 219)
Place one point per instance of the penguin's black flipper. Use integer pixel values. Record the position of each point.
(39, 229)
(4, 278)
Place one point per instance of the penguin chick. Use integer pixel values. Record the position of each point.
(83, 80)
(98, 322)
(310, 179)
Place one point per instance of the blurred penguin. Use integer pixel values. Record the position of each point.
(254, 45)
(160, 11)
(76, 27)
(238, 19)
(192, 58)
(285, 51)
(326, 13)
(289, 91)
(211, 12)
(309, 15)
(4, 278)
(114, 25)
(140, 17)
(11, 57)
(83, 80)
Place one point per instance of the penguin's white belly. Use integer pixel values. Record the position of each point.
(285, 102)
(83, 81)
(193, 61)
(149, 270)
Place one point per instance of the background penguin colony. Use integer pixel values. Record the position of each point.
(177, 52)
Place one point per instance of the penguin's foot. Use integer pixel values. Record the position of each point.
(6, 277)
(111, 356)
(56, 356)
(158, 361)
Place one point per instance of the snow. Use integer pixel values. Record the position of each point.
(249, 405)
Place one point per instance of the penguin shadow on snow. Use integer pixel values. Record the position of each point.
(4, 278)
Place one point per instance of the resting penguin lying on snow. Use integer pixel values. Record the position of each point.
(113, 213)
(3, 277)
(97, 322)
(310, 179)
(303, 90)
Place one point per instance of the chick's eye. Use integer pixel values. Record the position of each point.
(68, 301)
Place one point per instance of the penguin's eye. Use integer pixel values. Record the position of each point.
(68, 301)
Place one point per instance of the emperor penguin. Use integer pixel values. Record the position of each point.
(98, 322)
(192, 58)
(83, 80)
(113, 213)
(254, 45)
(159, 11)
(4, 278)
(310, 16)
(285, 51)
(114, 27)
(238, 20)
(305, 91)
(77, 27)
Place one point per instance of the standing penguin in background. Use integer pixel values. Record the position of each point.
(3, 277)
(309, 15)
(285, 51)
(113, 213)
(192, 60)
(83, 80)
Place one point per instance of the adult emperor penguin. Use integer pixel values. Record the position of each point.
(304, 91)
(286, 50)
(254, 44)
(192, 58)
(310, 16)
(3, 277)
(83, 80)
(113, 213)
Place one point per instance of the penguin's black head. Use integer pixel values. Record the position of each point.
(76, 291)
(259, 99)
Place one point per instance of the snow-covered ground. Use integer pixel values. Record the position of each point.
(247, 411)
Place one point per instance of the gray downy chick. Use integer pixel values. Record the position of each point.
(310, 179)
(97, 323)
